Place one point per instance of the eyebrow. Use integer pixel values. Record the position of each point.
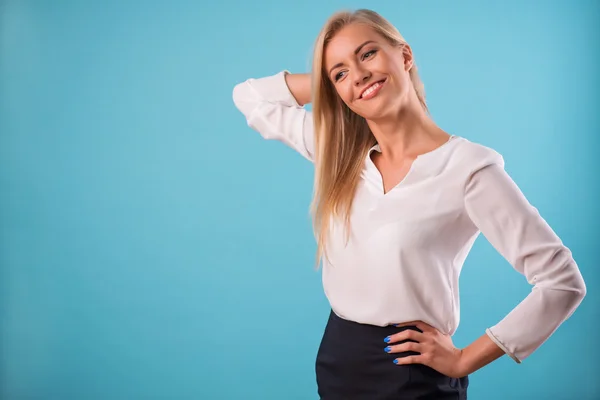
(355, 52)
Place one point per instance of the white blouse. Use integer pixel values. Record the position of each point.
(407, 247)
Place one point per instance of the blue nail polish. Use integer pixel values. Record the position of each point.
(387, 349)
(395, 361)
(387, 339)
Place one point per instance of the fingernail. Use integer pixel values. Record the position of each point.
(387, 339)
(387, 349)
(395, 361)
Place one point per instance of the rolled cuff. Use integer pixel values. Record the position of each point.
(502, 345)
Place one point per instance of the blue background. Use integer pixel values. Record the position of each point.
(153, 246)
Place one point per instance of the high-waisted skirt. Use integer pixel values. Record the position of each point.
(351, 364)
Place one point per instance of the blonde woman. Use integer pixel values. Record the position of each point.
(397, 205)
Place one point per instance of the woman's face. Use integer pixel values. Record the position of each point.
(369, 74)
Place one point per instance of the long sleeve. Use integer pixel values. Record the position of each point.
(515, 228)
(271, 110)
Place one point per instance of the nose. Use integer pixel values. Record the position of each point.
(362, 75)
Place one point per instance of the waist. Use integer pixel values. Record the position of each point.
(358, 340)
(437, 306)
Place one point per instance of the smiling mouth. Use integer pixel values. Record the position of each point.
(372, 90)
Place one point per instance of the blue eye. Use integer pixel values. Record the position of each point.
(368, 53)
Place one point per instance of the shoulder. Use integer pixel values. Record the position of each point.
(473, 156)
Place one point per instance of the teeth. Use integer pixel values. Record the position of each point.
(370, 89)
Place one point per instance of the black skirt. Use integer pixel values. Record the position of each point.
(351, 364)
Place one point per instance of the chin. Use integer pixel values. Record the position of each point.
(378, 107)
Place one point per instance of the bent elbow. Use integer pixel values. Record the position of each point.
(564, 275)
(238, 95)
(246, 98)
(577, 291)
(576, 282)
(567, 280)
(580, 288)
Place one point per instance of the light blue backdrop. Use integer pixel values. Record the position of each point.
(153, 246)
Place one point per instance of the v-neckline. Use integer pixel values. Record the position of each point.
(376, 147)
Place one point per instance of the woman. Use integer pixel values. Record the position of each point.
(397, 205)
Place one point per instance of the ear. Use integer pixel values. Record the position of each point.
(408, 57)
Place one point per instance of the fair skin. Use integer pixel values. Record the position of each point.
(356, 58)
(397, 120)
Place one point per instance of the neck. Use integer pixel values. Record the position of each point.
(407, 133)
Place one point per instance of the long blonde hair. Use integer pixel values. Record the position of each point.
(342, 137)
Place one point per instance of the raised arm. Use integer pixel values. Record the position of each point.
(274, 107)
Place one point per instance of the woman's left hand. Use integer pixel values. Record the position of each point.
(436, 349)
